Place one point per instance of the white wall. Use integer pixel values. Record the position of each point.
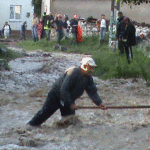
(45, 7)
(5, 13)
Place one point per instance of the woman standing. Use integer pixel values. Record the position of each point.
(6, 30)
(40, 28)
(129, 38)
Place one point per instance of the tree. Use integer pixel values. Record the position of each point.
(37, 7)
(135, 2)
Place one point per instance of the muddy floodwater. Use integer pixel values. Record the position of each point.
(23, 91)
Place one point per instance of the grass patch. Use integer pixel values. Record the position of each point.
(42, 44)
(110, 64)
(6, 55)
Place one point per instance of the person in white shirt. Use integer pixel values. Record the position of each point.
(103, 29)
(66, 26)
(6, 30)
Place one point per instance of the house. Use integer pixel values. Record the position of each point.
(86, 8)
(15, 12)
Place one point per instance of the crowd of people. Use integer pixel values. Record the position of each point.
(125, 30)
(43, 27)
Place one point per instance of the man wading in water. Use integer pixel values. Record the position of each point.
(66, 90)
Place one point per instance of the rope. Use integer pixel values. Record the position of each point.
(114, 107)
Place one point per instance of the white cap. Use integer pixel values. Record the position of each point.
(88, 61)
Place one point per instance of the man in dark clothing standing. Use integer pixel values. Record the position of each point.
(74, 25)
(48, 21)
(66, 90)
(23, 30)
(44, 20)
(128, 38)
(120, 31)
(59, 27)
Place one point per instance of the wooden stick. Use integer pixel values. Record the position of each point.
(114, 107)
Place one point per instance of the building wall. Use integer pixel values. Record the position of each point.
(45, 6)
(86, 8)
(5, 13)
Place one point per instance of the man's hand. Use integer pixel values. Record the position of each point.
(102, 106)
(73, 106)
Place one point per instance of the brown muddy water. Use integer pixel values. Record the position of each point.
(23, 91)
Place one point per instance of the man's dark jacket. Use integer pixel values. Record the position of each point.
(72, 84)
(74, 25)
(120, 27)
(47, 19)
(129, 34)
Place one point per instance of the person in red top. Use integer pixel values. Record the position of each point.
(40, 28)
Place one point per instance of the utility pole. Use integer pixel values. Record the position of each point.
(112, 21)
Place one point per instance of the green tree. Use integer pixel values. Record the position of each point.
(135, 2)
(37, 7)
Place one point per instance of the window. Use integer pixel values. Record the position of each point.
(15, 12)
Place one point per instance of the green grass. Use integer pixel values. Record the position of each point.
(109, 64)
(42, 44)
(7, 56)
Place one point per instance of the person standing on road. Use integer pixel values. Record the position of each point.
(129, 38)
(48, 21)
(120, 31)
(74, 31)
(35, 22)
(103, 23)
(59, 27)
(66, 90)
(66, 26)
(44, 20)
(40, 28)
(23, 31)
(6, 30)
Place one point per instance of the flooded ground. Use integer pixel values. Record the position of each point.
(23, 91)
